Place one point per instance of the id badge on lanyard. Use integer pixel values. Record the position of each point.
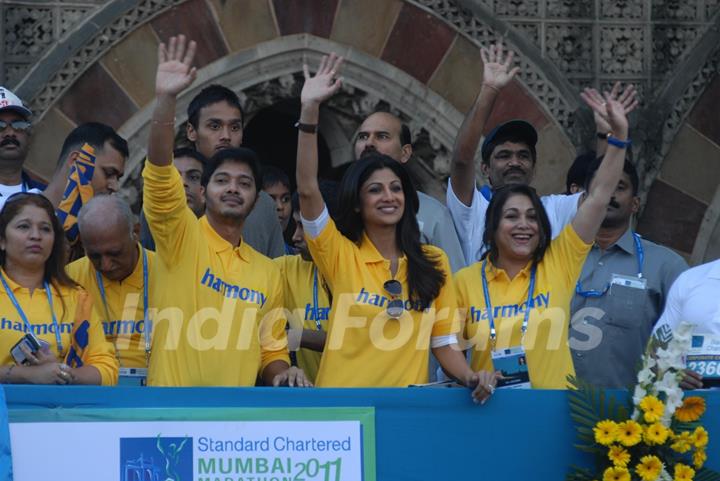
(512, 363)
(132, 376)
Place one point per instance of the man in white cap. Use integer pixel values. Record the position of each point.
(15, 132)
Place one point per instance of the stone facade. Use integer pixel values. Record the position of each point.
(419, 58)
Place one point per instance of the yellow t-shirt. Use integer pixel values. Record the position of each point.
(125, 328)
(365, 347)
(79, 325)
(546, 340)
(217, 309)
(297, 274)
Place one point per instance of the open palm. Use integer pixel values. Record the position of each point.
(496, 66)
(325, 83)
(175, 71)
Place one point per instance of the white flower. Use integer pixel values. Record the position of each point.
(646, 376)
(665, 476)
(670, 358)
(682, 335)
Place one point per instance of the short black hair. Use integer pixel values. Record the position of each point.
(628, 168)
(211, 95)
(272, 175)
(95, 134)
(190, 152)
(578, 170)
(241, 155)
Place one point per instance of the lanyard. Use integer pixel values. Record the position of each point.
(640, 254)
(146, 321)
(28, 326)
(488, 302)
(316, 303)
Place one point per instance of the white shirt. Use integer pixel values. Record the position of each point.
(8, 190)
(694, 298)
(470, 220)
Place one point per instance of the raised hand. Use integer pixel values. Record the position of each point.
(175, 71)
(610, 109)
(325, 83)
(496, 71)
(628, 99)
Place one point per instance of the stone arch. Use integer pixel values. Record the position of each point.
(444, 69)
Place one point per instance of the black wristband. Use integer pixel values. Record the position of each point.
(307, 128)
(602, 136)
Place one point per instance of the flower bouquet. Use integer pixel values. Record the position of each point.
(659, 438)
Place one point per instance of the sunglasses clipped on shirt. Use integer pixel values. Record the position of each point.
(18, 125)
(395, 306)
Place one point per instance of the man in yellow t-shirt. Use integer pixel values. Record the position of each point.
(114, 271)
(219, 318)
(307, 295)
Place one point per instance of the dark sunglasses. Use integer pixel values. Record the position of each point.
(395, 306)
(19, 125)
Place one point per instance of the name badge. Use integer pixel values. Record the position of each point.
(703, 357)
(628, 281)
(132, 376)
(512, 363)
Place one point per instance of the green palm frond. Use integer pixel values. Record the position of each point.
(707, 475)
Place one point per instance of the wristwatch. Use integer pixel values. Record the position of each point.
(307, 128)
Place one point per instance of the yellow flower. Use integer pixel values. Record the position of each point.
(653, 408)
(629, 433)
(649, 468)
(656, 434)
(692, 408)
(682, 442)
(616, 474)
(619, 456)
(700, 437)
(605, 432)
(683, 472)
(699, 458)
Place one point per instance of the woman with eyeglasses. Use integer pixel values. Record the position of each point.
(49, 333)
(393, 297)
(517, 298)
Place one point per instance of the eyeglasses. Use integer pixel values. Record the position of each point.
(19, 125)
(395, 306)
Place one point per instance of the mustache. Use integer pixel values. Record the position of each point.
(367, 151)
(514, 170)
(614, 204)
(236, 198)
(9, 141)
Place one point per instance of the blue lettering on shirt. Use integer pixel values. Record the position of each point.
(231, 290)
(478, 314)
(365, 297)
(40, 329)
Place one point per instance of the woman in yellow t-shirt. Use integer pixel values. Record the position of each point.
(516, 301)
(49, 333)
(393, 299)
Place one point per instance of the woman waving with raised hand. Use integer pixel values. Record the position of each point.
(517, 298)
(393, 298)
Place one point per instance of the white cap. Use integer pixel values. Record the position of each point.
(10, 101)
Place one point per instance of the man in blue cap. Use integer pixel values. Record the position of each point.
(508, 157)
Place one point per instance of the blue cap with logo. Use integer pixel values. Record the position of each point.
(518, 129)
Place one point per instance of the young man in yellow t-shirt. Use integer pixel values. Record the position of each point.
(218, 319)
(115, 271)
(307, 295)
